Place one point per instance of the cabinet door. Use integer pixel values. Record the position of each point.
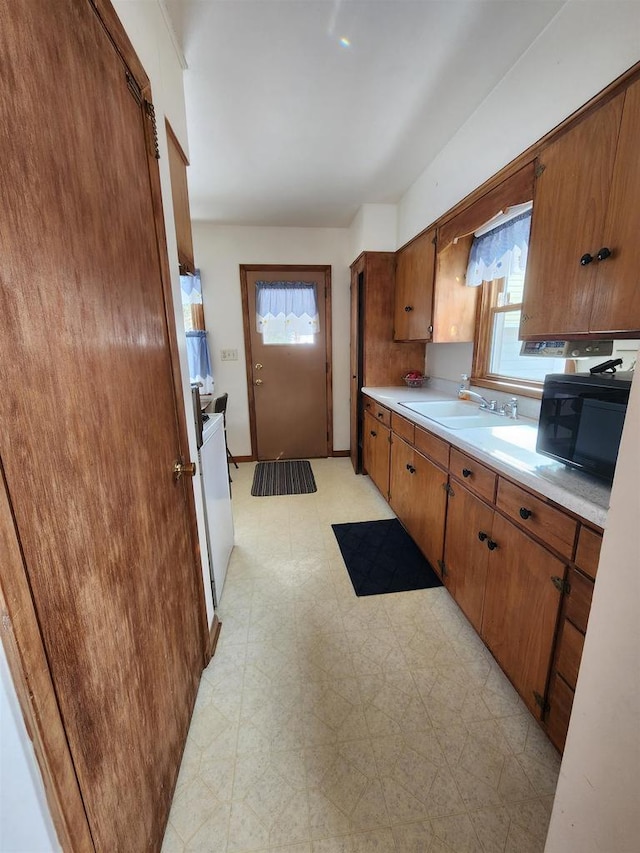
(616, 305)
(376, 452)
(454, 304)
(466, 556)
(430, 507)
(401, 486)
(414, 289)
(569, 208)
(521, 609)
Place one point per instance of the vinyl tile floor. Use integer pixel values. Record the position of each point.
(327, 723)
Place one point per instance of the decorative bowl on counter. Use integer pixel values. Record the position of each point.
(415, 379)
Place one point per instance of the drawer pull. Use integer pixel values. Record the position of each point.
(373, 433)
(466, 472)
(408, 308)
(380, 414)
(525, 513)
(482, 535)
(491, 545)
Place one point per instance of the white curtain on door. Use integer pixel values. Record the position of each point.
(288, 308)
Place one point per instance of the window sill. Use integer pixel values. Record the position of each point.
(520, 388)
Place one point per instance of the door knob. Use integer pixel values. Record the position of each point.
(258, 366)
(180, 468)
(258, 382)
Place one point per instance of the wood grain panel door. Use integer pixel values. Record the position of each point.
(415, 270)
(466, 557)
(569, 208)
(289, 381)
(430, 501)
(377, 449)
(89, 418)
(521, 607)
(401, 485)
(616, 304)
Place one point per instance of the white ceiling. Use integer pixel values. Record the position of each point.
(287, 126)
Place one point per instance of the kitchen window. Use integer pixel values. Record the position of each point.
(497, 264)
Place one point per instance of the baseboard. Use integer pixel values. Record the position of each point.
(341, 453)
(214, 633)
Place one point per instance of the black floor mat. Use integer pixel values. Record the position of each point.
(380, 557)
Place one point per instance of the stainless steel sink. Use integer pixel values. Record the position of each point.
(458, 414)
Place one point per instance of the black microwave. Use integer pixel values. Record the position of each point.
(581, 420)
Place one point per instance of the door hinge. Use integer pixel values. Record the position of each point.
(540, 167)
(151, 115)
(540, 701)
(442, 567)
(561, 584)
(448, 489)
(134, 88)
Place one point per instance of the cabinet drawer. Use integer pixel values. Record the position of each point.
(570, 653)
(588, 551)
(473, 474)
(432, 446)
(402, 427)
(578, 601)
(560, 704)
(380, 413)
(549, 524)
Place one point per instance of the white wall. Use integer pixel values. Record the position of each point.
(219, 251)
(586, 45)
(25, 822)
(373, 229)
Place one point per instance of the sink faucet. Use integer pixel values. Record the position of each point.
(466, 393)
(510, 409)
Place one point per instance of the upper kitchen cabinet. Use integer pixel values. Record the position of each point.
(180, 196)
(415, 267)
(584, 255)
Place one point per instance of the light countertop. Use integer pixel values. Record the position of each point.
(510, 450)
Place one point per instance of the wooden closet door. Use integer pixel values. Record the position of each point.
(88, 411)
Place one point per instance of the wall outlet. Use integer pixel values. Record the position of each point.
(228, 355)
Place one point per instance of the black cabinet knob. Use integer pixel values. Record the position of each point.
(373, 433)
(380, 414)
(411, 469)
(482, 535)
(603, 254)
(525, 513)
(491, 545)
(586, 259)
(466, 472)
(408, 308)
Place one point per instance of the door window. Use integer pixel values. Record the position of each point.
(287, 312)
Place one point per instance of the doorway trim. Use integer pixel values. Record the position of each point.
(246, 320)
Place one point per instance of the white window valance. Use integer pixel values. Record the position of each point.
(289, 308)
(501, 248)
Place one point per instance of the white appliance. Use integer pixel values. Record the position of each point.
(217, 501)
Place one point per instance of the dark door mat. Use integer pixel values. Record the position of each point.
(380, 557)
(285, 477)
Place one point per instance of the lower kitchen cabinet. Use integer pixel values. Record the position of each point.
(466, 557)
(418, 497)
(521, 607)
(505, 555)
(376, 449)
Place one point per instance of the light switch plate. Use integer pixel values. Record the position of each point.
(228, 355)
